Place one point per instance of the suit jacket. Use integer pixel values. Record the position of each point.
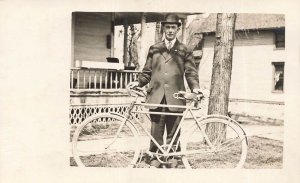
(165, 71)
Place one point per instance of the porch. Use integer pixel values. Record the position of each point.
(94, 91)
(99, 74)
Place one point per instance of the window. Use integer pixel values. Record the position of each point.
(280, 39)
(278, 76)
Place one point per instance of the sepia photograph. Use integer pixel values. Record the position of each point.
(177, 90)
(149, 91)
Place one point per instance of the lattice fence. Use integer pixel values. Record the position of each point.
(78, 113)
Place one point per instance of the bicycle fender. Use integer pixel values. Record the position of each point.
(224, 117)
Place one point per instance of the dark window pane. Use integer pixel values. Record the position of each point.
(280, 39)
(280, 44)
(278, 76)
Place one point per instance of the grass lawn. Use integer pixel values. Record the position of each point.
(263, 153)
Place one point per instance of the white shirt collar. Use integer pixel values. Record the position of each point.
(173, 42)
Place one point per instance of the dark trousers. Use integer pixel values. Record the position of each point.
(158, 124)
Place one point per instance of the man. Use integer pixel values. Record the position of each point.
(166, 65)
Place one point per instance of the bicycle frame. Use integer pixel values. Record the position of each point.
(197, 141)
(188, 110)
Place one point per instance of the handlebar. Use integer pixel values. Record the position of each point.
(138, 91)
(188, 96)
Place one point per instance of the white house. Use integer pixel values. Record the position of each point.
(257, 84)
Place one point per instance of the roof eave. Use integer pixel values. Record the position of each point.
(252, 29)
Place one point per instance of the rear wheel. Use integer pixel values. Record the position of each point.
(95, 142)
(221, 149)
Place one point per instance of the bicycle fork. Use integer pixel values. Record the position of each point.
(117, 134)
(122, 124)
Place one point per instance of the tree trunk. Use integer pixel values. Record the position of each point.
(132, 48)
(221, 73)
(158, 33)
(131, 28)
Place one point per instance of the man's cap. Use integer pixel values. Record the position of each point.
(171, 19)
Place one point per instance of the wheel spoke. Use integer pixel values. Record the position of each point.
(229, 143)
(226, 148)
(105, 141)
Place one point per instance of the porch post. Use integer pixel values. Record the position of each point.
(183, 21)
(142, 50)
(112, 33)
(73, 41)
(125, 51)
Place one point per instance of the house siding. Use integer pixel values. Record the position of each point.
(252, 73)
(90, 31)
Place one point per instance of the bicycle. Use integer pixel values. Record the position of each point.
(114, 140)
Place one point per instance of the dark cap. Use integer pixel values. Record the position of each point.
(172, 19)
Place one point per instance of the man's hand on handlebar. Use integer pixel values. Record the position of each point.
(188, 96)
(133, 85)
(197, 91)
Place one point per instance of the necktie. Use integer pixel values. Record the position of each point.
(169, 45)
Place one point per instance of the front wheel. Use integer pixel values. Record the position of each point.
(215, 142)
(105, 140)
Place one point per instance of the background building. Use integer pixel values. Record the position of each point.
(257, 84)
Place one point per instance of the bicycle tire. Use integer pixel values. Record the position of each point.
(90, 140)
(200, 153)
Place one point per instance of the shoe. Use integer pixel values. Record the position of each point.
(154, 163)
(172, 163)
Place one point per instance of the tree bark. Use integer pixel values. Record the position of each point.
(221, 73)
(158, 32)
(133, 48)
(132, 33)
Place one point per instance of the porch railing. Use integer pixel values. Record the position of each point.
(91, 79)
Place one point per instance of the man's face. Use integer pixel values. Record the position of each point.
(170, 31)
